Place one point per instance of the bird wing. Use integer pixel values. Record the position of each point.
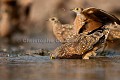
(79, 45)
(82, 43)
(104, 16)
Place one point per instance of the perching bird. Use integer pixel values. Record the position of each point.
(92, 18)
(63, 32)
(81, 46)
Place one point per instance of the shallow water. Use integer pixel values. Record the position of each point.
(42, 68)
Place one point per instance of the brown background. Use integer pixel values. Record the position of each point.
(41, 10)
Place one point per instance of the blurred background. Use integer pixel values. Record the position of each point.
(24, 22)
(24, 25)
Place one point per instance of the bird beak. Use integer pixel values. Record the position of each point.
(71, 9)
(47, 20)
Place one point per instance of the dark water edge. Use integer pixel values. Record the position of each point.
(43, 68)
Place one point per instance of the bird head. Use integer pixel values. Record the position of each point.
(53, 55)
(57, 54)
(77, 10)
(53, 20)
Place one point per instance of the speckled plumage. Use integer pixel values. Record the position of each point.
(92, 18)
(114, 31)
(81, 46)
(63, 32)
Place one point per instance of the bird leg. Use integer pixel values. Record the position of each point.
(88, 54)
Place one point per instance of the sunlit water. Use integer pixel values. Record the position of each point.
(43, 68)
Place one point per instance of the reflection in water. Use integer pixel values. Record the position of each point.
(42, 68)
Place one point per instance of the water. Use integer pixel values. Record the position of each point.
(43, 68)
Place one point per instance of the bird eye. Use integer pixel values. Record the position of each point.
(52, 19)
(77, 9)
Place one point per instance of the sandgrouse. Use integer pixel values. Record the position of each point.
(81, 46)
(114, 31)
(5, 25)
(90, 19)
(63, 32)
(11, 19)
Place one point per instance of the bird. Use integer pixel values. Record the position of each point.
(63, 32)
(83, 21)
(91, 18)
(82, 46)
(114, 31)
(9, 22)
(5, 25)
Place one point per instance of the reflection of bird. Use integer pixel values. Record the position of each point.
(91, 18)
(82, 46)
(63, 32)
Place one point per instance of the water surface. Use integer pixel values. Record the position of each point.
(42, 68)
